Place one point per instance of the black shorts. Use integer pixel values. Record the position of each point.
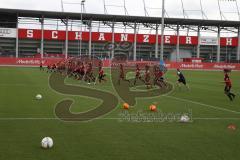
(147, 80)
(183, 81)
(121, 76)
(101, 76)
(227, 88)
(82, 73)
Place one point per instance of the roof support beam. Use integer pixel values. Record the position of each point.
(178, 45)
(135, 43)
(219, 45)
(90, 39)
(66, 41)
(17, 40)
(156, 45)
(238, 50)
(199, 39)
(41, 20)
(113, 40)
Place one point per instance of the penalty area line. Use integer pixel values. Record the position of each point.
(202, 104)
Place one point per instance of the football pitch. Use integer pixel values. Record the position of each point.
(24, 121)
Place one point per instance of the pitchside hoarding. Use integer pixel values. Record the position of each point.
(8, 33)
(107, 63)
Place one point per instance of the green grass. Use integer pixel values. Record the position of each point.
(206, 138)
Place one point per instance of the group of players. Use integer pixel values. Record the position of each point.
(81, 70)
(145, 76)
(84, 71)
(78, 69)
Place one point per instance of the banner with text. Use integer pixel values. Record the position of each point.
(123, 37)
(107, 63)
(209, 41)
(8, 33)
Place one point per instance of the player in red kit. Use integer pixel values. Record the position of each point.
(41, 66)
(49, 68)
(228, 86)
(122, 75)
(158, 77)
(101, 74)
(147, 77)
(53, 67)
(81, 71)
(137, 74)
(89, 73)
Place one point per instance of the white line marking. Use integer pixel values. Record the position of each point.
(13, 119)
(216, 118)
(202, 104)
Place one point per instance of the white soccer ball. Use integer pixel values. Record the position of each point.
(47, 142)
(184, 119)
(38, 96)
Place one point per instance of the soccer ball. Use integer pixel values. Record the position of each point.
(125, 106)
(47, 142)
(153, 108)
(184, 119)
(38, 96)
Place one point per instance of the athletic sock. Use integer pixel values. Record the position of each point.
(230, 97)
(233, 95)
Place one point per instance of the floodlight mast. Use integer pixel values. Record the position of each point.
(162, 30)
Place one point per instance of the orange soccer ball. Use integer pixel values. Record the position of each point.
(125, 106)
(153, 108)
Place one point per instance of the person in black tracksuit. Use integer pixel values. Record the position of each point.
(181, 79)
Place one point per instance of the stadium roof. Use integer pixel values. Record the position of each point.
(115, 18)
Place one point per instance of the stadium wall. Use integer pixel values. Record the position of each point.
(29, 44)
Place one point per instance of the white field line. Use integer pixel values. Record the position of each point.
(216, 118)
(21, 85)
(197, 118)
(203, 104)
